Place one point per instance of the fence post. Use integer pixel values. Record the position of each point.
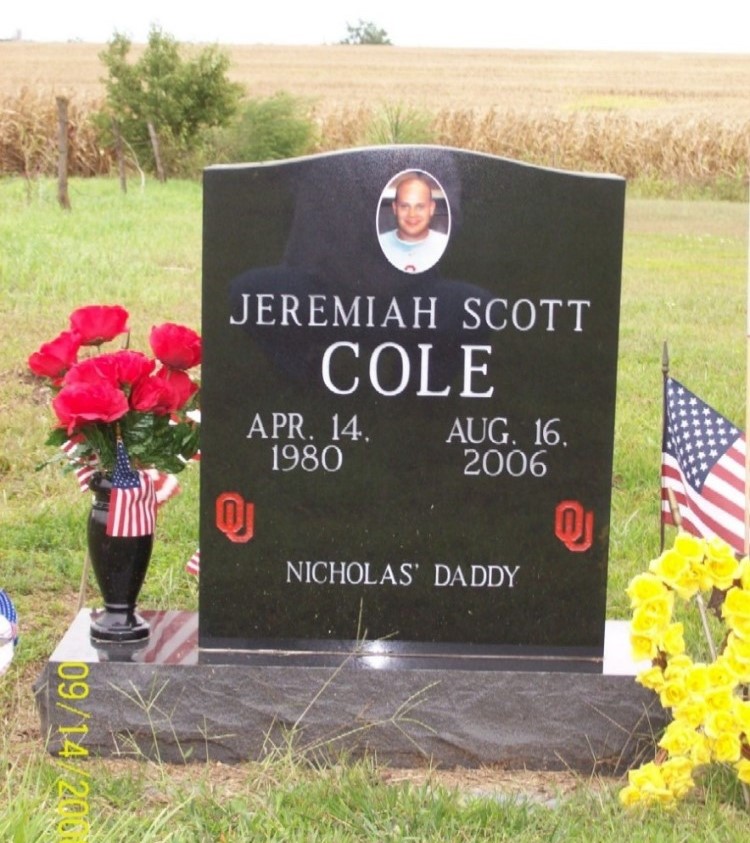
(117, 132)
(62, 147)
(160, 174)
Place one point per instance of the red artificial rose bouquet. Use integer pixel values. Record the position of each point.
(145, 400)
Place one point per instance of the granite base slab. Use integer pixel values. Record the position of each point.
(161, 701)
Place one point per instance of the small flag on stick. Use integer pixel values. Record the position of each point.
(703, 464)
(166, 486)
(193, 565)
(85, 467)
(132, 505)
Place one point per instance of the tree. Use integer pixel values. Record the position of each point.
(163, 103)
(365, 32)
(269, 129)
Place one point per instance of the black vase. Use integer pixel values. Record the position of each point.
(120, 564)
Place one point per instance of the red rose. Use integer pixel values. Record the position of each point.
(183, 388)
(153, 394)
(54, 358)
(176, 346)
(92, 370)
(131, 366)
(82, 403)
(98, 323)
(119, 368)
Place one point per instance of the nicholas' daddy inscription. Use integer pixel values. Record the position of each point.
(408, 404)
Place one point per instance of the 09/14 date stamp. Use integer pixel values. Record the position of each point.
(73, 784)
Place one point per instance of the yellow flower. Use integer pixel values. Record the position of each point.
(678, 738)
(670, 566)
(642, 647)
(695, 579)
(673, 693)
(736, 607)
(720, 676)
(678, 666)
(737, 603)
(721, 722)
(721, 564)
(678, 775)
(630, 796)
(696, 679)
(691, 547)
(649, 780)
(651, 678)
(742, 713)
(719, 699)
(743, 770)
(645, 587)
(743, 574)
(727, 748)
(700, 754)
(740, 646)
(737, 653)
(702, 577)
(692, 712)
(653, 615)
(740, 626)
(673, 642)
(740, 669)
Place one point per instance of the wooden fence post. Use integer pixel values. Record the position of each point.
(157, 153)
(117, 132)
(62, 147)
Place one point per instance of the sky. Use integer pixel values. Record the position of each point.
(711, 26)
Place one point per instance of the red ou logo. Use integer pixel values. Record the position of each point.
(574, 526)
(235, 517)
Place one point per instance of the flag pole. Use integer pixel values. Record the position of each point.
(664, 375)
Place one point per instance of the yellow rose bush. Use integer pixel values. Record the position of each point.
(709, 702)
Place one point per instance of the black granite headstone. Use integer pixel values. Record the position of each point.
(407, 437)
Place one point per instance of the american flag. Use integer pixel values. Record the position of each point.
(132, 505)
(86, 466)
(193, 565)
(166, 486)
(703, 463)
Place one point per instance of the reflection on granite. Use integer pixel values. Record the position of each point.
(173, 640)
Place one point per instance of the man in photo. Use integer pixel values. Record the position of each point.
(413, 246)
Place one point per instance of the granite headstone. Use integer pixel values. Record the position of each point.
(408, 410)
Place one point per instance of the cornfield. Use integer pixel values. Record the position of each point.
(704, 151)
(28, 138)
(701, 151)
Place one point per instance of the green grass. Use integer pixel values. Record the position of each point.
(684, 281)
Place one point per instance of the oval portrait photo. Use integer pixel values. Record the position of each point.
(413, 221)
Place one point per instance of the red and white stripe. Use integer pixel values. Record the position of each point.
(719, 509)
(193, 565)
(166, 486)
(132, 512)
(86, 467)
